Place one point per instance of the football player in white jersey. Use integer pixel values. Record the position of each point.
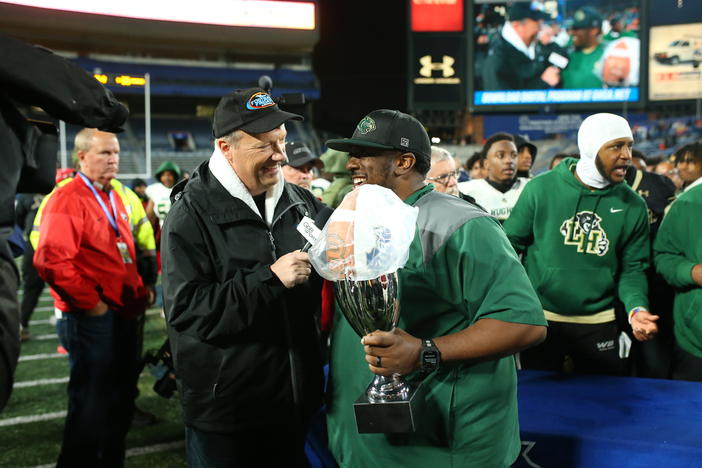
(498, 193)
(159, 193)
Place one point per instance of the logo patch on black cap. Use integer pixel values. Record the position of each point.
(260, 101)
(366, 125)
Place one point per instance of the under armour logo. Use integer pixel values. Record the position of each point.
(446, 67)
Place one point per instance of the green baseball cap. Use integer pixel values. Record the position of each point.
(585, 18)
(387, 130)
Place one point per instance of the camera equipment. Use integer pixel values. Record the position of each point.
(161, 367)
(291, 99)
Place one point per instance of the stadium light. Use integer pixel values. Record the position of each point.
(102, 78)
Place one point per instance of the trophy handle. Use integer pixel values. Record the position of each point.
(396, 313)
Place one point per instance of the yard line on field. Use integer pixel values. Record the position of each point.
(39, 382)
(52, 321)
(37, 357)
(32, 418)
(50, 336)
(44, 309)
(136, 451)
(40, 322)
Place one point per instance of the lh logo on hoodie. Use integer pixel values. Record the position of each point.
(586, 233)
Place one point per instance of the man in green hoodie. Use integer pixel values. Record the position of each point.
(678, 257)
(585, 240)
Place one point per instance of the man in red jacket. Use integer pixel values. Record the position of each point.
(86, 254)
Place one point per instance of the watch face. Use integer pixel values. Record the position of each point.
(430, 359)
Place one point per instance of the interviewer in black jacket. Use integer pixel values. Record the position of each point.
(239, 296)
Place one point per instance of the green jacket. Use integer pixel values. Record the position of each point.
(461, 269)
(581, 71)
(335, 193)
(582, 248)
(678, 247)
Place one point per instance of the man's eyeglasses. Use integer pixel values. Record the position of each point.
(443, 179)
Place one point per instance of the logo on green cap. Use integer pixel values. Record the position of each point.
(579, 15)
(366, 125)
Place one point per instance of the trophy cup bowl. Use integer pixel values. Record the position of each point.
(370, 305)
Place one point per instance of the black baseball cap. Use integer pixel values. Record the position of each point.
(387, 130)
(251, 110)
(520, 142)
(299, 154)
(524, 10)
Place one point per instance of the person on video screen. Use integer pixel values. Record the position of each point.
(516, 59)
(585, 61)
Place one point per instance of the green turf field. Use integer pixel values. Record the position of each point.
(32, 423)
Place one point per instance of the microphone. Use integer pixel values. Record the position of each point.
(266, 83)
(558, 60)
(320, 220)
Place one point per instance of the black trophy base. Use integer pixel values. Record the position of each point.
(387, 417)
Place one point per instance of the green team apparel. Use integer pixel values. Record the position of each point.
(580, 72)
(335, 163)
(583, 248)
(461, 269)
(678, 248)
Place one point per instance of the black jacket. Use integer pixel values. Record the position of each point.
(507, 68)
(657, 191)
(234, 328)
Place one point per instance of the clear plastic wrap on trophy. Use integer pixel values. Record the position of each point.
(361, 248)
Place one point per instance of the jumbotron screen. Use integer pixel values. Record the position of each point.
(555, 52)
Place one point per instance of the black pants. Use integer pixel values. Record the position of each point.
(593, 349)
(9, 328)
(686, 366)
(271, 446)
(101, 389)
(32, 285)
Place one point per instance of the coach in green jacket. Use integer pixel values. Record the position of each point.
(585, 238)
(462, 289)
(678, 257)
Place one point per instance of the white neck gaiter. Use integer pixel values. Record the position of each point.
(594, 132)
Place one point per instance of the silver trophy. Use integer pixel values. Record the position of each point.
(370, 305)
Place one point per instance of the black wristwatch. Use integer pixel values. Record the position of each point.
(429, 356)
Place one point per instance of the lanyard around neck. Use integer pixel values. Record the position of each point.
(111, 217)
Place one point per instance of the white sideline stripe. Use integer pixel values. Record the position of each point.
(36, 357)
(36, 383)
(40, 322)
(49, 322)
(32, 418)
(136, 451)
(50, 336)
